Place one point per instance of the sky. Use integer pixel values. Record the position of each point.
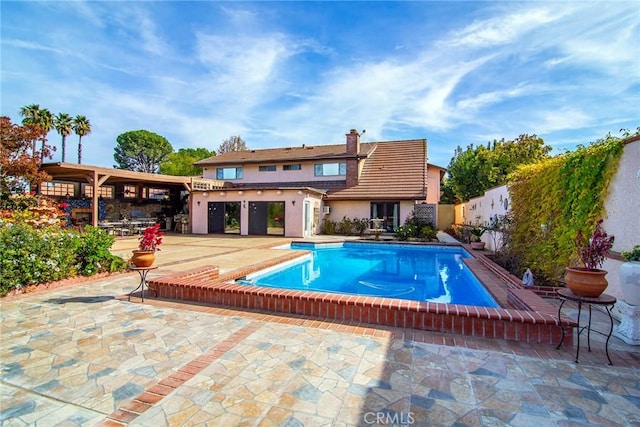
(282, 74)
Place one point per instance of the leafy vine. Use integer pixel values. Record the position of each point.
(555, 198)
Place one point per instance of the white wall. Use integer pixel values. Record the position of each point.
(623, 212)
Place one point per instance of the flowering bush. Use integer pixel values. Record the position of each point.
(151, 239)
(30, 256)
(592, 252)
(36, 211)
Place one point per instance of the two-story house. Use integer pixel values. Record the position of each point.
(290, 191)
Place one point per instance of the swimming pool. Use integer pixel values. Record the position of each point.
(413, 272)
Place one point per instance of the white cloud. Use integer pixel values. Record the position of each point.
(555, 69)
(21, 44)
(502, 29)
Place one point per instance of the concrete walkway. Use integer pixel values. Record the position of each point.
(81, 354)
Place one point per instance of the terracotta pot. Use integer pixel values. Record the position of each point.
(143, 258)
(479, 246)
(586, 283)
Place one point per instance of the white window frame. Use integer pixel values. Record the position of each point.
(326, 169)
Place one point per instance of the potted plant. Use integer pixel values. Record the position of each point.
(589, 281)
(150, 242)
(476, 235)
(630, 276)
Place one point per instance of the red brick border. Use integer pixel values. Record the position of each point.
(131, 409)
(527, 317)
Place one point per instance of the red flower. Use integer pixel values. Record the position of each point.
(151, 239)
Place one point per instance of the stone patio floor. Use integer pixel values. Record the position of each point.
(81, 354)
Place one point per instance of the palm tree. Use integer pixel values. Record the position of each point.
(30, 114)
(34, 115)
(81, 127)
(64, 125)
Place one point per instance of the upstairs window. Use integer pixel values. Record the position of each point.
(267, 168)
(295, 167)
(330, 169)
(229, 173)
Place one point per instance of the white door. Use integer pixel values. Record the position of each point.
(308, 218)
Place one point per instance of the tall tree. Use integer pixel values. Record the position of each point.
(18, 168)
(234, 143)
(476, 169)
(82, 127)
(141, 150)
(41, 117)
(64, 125)
(181, 162)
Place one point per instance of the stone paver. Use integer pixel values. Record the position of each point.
(83, 355)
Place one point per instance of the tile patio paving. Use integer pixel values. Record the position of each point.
(81, 354)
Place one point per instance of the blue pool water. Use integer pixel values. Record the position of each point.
(419, 273)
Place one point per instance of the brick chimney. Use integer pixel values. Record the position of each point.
(353, 142)
(353, 148)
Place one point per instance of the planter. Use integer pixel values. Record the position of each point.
(586, 283)
(478, 246)
(630, 282)
(143, 258)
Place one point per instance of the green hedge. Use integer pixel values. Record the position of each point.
(30, 256)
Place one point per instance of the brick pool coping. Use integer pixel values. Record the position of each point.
(524, 315)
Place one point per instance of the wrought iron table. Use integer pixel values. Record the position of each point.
(607, 301)
(142, 271)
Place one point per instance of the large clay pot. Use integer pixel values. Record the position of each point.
(143, 258)
(630, 282)
(478, 246)
(586, 283)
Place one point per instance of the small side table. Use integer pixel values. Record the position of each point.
(142, 271)
(607, 301)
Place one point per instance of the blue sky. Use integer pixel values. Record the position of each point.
(290, 73)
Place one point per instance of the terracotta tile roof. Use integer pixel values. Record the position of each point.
(292, 154)
(395, 170)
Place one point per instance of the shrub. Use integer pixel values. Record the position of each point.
(428, 233)
(360, 225)
(345, 226)
(93, 254)
(417, 225)
(632, 255)
(328, 227)
(404, 232)
(30, 256)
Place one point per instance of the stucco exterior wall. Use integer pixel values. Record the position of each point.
(623, 212)
(362, 209)
(252, 174)
(623, 202)
(433, 185)
(446, 216)
(495, 201)
(350, 209)
(294, 201)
